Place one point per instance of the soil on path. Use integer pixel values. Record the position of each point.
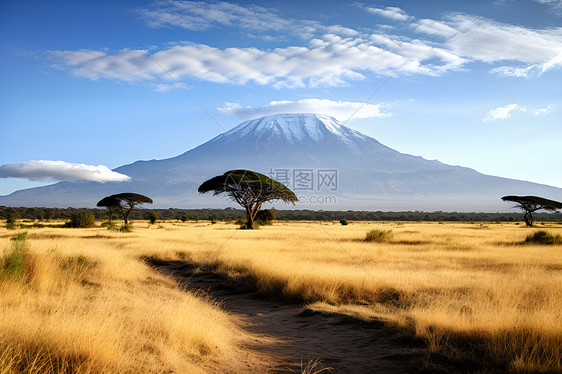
(292, 337)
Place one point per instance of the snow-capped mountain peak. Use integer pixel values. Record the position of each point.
(295, 128)
(365, 173)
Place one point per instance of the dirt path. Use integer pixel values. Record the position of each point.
(291, 335)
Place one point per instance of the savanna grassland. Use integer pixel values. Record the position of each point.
(85, 300)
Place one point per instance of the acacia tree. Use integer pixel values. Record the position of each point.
(249, 189)
(110, 202)
(128, 200)
(531, 204)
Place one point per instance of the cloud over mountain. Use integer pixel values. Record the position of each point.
(46, 170)
(299, 150)
(341, 110)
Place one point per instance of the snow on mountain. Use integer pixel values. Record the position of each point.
(297, 128)
(367, 174)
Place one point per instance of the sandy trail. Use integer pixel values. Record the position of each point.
(291, 336)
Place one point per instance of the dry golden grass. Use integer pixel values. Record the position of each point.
(87, 304)
(470, 290)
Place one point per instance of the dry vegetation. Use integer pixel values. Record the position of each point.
(80, 301)
(473, 291)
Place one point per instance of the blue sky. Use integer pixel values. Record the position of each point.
(86, 86)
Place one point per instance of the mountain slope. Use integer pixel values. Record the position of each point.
(287, 147)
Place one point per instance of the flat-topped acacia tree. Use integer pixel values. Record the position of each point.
(110, 202)
(531, 204)
(129, 200)
(249, 189)
(125, 202)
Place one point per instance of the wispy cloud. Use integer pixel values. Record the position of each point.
(391, 12)
(199, 16)
(324, 55)
(530, 70)
(340, 110)
(503, 112)
(327, 61)
(555, 4)
(542, 111)
(433, 27)
(46, 170)
(482, 39)
(514, 71)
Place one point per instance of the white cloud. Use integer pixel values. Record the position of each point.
(164, 87)
(201, 16)
(331, 60)
(542, 111)
(556, 4)
(486, 40)
(432, 27)
(514, 71)
(553, 63)
(503, 112)
(391, 12)
(340, 110)
(45, 170)
(332, 56)
(531, 70)
(481, 39)
(198, 16)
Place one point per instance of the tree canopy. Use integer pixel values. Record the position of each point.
(125, 201)
(531, 204)
(249, 189)
(110, 202)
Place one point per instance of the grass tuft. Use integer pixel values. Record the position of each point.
(543, 237)
(13, 260)
(377, 235)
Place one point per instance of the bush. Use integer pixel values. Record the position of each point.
(265, 217)
(377, 235)
(11, 221)
(109, 225)
(543, 237)
(244, 224)
(82, 219)
(153, 217)
(126, 228)
(343, 222)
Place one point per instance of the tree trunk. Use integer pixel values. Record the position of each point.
(126, 216)
(528, 219)
(250, 223)
(110, 213)
(249, 220)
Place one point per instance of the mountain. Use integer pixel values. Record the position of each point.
(329, 166)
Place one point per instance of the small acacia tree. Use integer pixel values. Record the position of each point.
(110, 202)
(249, 189)
(531, 204)
(125, 202)
(128, 201)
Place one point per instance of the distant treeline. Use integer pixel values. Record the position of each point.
(290, 215)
